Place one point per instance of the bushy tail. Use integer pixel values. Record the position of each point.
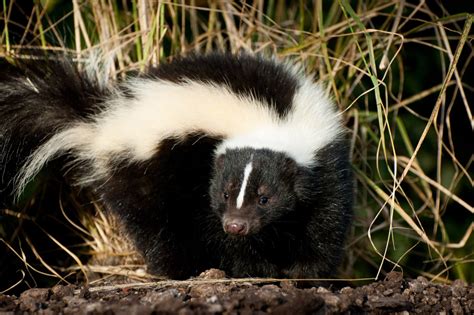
(37, 99)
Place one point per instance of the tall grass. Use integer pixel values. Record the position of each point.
(397, 70)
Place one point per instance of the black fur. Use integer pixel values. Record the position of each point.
(164, 204)
(172, 204)
(36, 99)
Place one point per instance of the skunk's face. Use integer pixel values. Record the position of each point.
(252, 188)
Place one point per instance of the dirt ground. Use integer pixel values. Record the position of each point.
(212, 294)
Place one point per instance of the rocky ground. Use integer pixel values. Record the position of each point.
(211, 294)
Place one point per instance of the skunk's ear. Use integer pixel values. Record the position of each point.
(219, 161)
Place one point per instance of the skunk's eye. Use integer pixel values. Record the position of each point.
(226, 195)
(263, 200)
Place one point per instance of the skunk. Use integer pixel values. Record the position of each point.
(238, 162)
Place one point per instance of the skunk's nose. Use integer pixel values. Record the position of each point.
(236, 226)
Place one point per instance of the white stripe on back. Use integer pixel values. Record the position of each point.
(134, 128)
(247, 171)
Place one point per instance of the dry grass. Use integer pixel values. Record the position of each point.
(396, 69)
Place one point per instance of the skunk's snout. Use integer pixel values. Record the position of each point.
(236, 226)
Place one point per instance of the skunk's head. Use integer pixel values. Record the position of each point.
(252, 188)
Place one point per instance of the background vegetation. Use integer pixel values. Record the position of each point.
(399, 71)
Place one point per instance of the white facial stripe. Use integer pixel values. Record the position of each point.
(247, 171)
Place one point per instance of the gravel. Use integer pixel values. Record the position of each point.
(394, 294)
